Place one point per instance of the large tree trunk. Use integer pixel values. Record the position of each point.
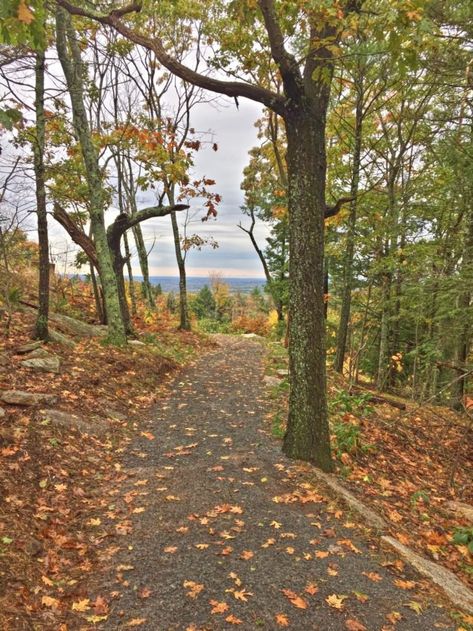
(307, 435)
(70, 59)
(41, 326)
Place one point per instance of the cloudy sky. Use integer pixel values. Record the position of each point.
(234, 132)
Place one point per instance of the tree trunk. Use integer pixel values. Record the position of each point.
(350, 246)
(144, 266)
(41, 326)
(465, 307)
(130, 274)
(184, 320)
(99, 307)
(73, 71)
(307, 436)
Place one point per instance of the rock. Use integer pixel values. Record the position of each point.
(20, 397)
(60, 338)
(282, 372)
(75, 327)
(39, 353)
(2, 412)
(45, 364)
(28, 348)
(66, 420)
(250, 335)
(461, 509)
(455, 590)
(136, 343)
(271, 381)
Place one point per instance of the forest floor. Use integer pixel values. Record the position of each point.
(185, 515)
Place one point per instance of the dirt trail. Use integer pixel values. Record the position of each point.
(212, 547)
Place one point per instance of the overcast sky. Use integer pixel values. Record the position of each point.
(234, 132)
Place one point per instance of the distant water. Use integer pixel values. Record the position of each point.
(195, 283)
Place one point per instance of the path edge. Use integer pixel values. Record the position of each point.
(457, 592)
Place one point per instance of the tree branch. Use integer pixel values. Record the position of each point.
(77, 235)
(124, 221)
(331, 211)
(286, 62)
(268, 98)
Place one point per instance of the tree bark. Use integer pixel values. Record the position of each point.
(307, 435)
(70, 59)
(41, 326)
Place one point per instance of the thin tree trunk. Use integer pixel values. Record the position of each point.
(144, 265)
(184, 320)
(350, 245)
(41, 326)
(99, 307)
(73, 71)
(130, 273)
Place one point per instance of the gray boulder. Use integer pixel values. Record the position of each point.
(20, 397)
(43, 364)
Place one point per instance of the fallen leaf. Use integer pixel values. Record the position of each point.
(404, 584)
(47, 601)
(218, 607)
(135, 622)
(282, 620)
(144, 592)
(354, 625)
(149, 436)
(373, 576)
(194, 588)
(233, 619)
(242, 595)
(415, 606)
(246, 555)
(311, 589)
(393, 617)
(81, 605)
(335, 601)
(295, 599)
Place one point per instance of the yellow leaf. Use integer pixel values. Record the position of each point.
(335, 601)
(81, 605)
(415, 606)
(242, 595)
(50, 602)
(24, 13)
(139, 509)
(94, 521)
(96, 619)
(136, 622)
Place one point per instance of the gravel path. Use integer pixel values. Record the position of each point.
(210, 547)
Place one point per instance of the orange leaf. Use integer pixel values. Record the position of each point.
(354, 625)
(218, 607)
(311, 589)
(246, 555)
(294, 599)
(135, 622)
(373, 576)
(233, 619)
(24, 14)
(282, 620)
(404, 584)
